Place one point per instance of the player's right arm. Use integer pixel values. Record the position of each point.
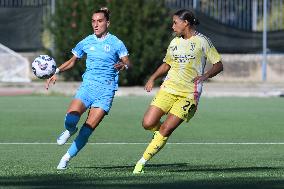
(68, 64)
(63, 67)
(163, 69)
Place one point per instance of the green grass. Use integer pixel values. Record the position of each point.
(39, 119)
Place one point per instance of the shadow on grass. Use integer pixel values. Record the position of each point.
(184, 167)
(164, 176)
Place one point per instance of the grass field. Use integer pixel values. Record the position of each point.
(230, 143)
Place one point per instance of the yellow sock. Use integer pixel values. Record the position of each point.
(156, 127)
(157, 143)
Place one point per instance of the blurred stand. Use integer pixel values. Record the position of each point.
(235, 27)
(210, 89)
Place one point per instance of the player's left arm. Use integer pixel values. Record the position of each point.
(213, 71)
(123, 64)
(214, 57)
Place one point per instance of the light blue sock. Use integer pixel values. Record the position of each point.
(71, 121)
(80, 140)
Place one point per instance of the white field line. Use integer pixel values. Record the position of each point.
(140, 143)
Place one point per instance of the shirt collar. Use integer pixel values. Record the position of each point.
(102, 38)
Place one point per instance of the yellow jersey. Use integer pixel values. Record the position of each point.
(187, 58)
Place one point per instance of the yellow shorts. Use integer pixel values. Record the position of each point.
(179, 106)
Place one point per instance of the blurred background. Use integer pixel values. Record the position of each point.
(232, 142)
(249, 34)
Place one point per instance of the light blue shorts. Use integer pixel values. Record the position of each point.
(96, 96)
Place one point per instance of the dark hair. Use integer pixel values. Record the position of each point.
(188, 15)
(105, 11)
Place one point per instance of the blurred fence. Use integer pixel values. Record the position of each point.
(45, 4)
(242, 14)
(23, 23)
(23, 3)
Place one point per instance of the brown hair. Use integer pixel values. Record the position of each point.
(105, 11)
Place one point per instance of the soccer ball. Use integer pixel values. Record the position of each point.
(44, 67)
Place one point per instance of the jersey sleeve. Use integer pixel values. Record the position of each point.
(211, 53)
(78, 49)
(168, 58)
(122, 50)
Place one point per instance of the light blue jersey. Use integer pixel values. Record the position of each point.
(102, 54)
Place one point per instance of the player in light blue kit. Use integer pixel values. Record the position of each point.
(106, 56)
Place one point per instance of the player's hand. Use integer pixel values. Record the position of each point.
(50, 80)
(149, 85)
(199, 79)
(120, 66)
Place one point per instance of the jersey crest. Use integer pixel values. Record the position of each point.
(107, 48)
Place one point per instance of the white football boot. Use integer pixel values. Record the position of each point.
(64, 162)
(65, 135)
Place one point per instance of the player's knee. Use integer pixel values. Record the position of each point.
(147, 124)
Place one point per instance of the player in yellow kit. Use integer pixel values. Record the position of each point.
(178, 96)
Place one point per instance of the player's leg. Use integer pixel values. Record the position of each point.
(158, 142)
(94, 118)
(99, 108)
(72, 117)
(151, 120)
(182, 109)
(160, 105)
(74, 112)
(160, 138)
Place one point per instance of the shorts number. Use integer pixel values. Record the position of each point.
(185, 106)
